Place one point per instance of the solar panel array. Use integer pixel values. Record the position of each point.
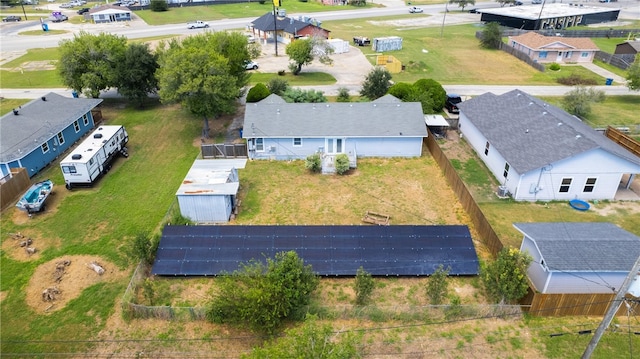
(331, 250)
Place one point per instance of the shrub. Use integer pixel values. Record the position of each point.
(159, 5)
(436, 94)
(575, 79)
(363, 286)
(313, 163)
(438, 287)
(277, 86)
(342, 163)
(257, 93)
(343, 95)
(505, 279)
(282, 72)
(554, 66)
(402, 90)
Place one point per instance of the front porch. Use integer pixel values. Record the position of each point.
(329, 161)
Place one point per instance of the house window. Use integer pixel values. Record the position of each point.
(297, 142)
(76, 126)
(506, 170)
(542, 55)
(260, 144)
(584, 55)
(568, 54)
(486, 149)
(45, 147)
(90, 161)
(60, 138)
(566, 183)
(588, 186)
(85, 119)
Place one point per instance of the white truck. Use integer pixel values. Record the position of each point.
(197, 25)
(93, 157)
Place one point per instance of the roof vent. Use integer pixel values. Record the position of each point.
(544, 113)
(559, 124)
(44, 98)
(15, 112)
(97, 135)
(578, 136)
(76, 156)
(526, 131)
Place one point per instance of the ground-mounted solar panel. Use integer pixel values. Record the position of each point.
(330, 250)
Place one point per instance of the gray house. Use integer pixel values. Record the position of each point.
(385, 127)
(35, 134)
(578, 257)
(208, 192)
(537, 151)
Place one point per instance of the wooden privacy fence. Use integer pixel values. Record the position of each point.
(521, 56)
(223, 150)
(13, 187)
(608, 33)
(621, 61)
(555, 305)
(623, 140)
(487, 235)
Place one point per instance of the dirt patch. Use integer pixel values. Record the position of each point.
(77, 275)
(15, 246)
(50, 207)
(611, 208)
(34, 66)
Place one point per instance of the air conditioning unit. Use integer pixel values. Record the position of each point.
(503, 192)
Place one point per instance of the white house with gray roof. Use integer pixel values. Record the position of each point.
(540, 152)
(386, 127)
(35, 134)
(573, 257)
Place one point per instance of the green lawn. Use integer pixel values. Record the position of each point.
(177, 15)
(17, 77)
(303, 79)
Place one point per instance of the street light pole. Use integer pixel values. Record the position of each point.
(446, 10)
(275, 24)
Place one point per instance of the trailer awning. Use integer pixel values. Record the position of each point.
(435, 120)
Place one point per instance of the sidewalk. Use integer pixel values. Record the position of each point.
(604, 73)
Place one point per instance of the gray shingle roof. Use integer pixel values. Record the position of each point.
(357, 119)
(287, 24)
(568, 246)
(38, 121)
(531, 133)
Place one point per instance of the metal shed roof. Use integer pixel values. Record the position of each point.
(211, 177)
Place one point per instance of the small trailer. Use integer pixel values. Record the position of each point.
(93, 157)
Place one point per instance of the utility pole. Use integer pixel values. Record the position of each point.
(613, 308)
(446, 10)
(275, 23)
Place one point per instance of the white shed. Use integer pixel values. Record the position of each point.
(208, 192)
(339, 46)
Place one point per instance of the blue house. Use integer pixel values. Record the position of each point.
(34, 135)
(386, 127)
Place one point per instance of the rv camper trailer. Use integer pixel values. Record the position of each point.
(93, 157)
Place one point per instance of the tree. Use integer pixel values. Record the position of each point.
(88, 62)
(435, 92)
(257, 93)
(491, 36)
(135, 73)
(505, 279)
(143, 248)
(578, 101)
(303, 51)
(633, 75)
(403, 91)
(263, 295)
(195, 74)
(376, 84)
(297, 95)
(311, 340)
(363, 286)
(158, 5)
(462, 3)
(277, 86)
(438, 287)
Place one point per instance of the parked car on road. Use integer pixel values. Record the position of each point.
(536, 2)
(59, 18)
(66, 5)
(251, 65)
(197, 25)
(474, 11)
(11, 18)
(83, 10)
(415, 9)
(452, 103)
(518, 3)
